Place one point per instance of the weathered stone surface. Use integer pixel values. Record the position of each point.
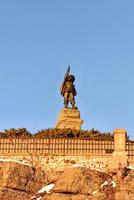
(69, 118)
(38, 180)
(105, 193)
(79, 180)
(79, 197)
(10, 194)
(125, 189)
(124, 195)
(53, 176)
(15, 175)
(74, 183)
(60, 196)
(57, 196)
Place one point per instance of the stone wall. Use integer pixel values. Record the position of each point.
(100, 163)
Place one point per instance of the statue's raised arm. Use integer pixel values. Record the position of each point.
(65, 79)
(67, 73)
(67, 89)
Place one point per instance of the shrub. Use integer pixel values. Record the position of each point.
(69, 133)
(16, 133)
(56, 133)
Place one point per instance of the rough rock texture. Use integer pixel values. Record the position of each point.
(106, 193)
(53, 176)
(37, 181)
(15, 175)
(57, 196)
(125, 189)
(79, 180)
(60, 196)
(22, 182)
(10, 194)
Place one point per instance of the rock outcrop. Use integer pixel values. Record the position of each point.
(11, 194)
(14, 175)
(81, 180)
(23, 182)
(19, 181)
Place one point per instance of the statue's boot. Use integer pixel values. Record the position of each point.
(73, 106)
(65, 105)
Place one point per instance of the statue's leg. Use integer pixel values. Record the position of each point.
(72, 100)
(66, 97)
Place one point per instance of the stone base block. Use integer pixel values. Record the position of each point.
(119, 159)
(69, 118)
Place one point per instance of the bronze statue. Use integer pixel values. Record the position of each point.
(68, 90)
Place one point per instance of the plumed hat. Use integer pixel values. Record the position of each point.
(71, 78)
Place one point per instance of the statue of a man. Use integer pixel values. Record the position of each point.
(68, 90)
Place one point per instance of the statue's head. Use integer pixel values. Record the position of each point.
(71, 78)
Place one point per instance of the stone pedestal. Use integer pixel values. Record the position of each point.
(120, 154)
(69, 118)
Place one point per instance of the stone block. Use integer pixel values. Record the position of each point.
(120, 139)
(119, 159)
(119, 154)
(69, 118)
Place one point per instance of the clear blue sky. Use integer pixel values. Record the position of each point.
(38, 39)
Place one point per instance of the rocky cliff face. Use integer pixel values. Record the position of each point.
(23, 182)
